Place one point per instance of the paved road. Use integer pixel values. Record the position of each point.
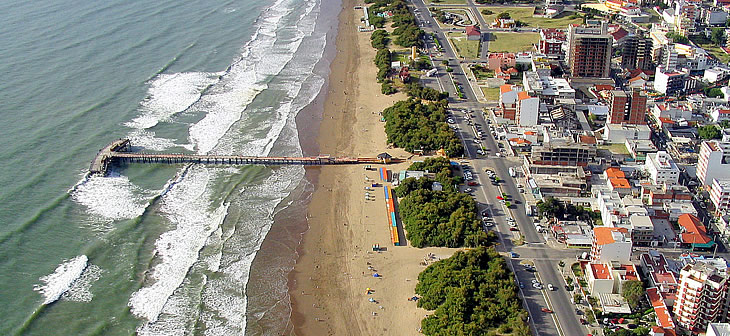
(564, 322)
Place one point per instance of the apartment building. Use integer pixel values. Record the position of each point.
(669, 81)
(702, 297)
(628, 108)
(636, 53)
(551, 42)
(528, 109)
(563, 153)
(720, 195)
(661, 168)
(611, 244)
(589, 50)
(713, 162)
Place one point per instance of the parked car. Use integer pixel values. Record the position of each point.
(545, 310)
(514, 255)
(514, 229)
(472, 183)
(583, 321)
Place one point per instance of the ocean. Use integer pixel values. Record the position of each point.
(155, 249)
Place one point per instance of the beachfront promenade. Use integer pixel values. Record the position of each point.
(119, 151)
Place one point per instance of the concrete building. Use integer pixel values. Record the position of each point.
(642, 230)
(611, 244)
(619, 133)
(547, 87)
(528, 109)
(589, 51)
(551, 42)
(563, 153)
(718, 329)
(671, 111)
(660, 275)
(702, 297)
(661, 168)
(636, 53)
(628, 108)
(669, 82)
(720, 195)
(719, 115)
(713, 162)
(508, 101)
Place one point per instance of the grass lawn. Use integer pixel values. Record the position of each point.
(466, 48)
(524, 14)
(712, 48)
(512, 42)
(615, 148)
(482, 73)
(491, 94)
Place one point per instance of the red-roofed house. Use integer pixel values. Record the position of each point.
(473, 33)
(694, 233)
(551, 42)
(501, 60)
(663, 318)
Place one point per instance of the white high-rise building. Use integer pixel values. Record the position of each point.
(661, 168)
(713, 162)
(701, 298)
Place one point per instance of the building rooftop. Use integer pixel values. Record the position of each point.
(694, 231)
(609, 235)
(600, 271)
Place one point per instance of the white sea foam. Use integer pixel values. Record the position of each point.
(80, 290)
(111, 198)
(186, 205)
(61, 280)
(170, 94)
(148, 140)
(199, 243)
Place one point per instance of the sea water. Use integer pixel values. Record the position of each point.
(151, 249)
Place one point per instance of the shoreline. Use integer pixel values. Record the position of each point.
(335, 260)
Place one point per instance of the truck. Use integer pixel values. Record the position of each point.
(431, 72)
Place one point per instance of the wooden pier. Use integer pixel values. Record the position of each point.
(118, 151)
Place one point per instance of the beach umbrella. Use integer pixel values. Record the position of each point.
(376, 275)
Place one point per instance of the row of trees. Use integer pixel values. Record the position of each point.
(442, 169)
(439, 218)
(415, 90)
(407, 33)
(379, 39)
(553, 208)
(412, 125)
(472, 293)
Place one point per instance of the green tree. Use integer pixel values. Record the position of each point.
(713, 92)
(717, 36)
(677, 38)
(504, 15)
(632, 291)
(725, 124)
(379, 39)
(486, 11)
(551, 207)
(709, 132)
(387, 88)
(471, 293)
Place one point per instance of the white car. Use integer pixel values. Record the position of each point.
(468, 190)
(510, 219)
(551, 287)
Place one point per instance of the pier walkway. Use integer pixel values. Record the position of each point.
(118, 151)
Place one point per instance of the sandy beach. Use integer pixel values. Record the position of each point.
(336, 261)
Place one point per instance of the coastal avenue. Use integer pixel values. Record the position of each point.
(563, 321)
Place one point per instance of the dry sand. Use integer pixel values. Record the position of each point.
(329, 281)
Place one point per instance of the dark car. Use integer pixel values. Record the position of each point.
(472, 183)
(514, 229)
(583, 321)
(632, 326)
